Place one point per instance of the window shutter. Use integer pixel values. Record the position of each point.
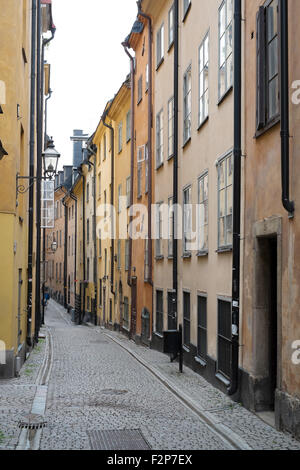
(261, 68)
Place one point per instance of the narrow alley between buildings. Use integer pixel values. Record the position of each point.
(94, 389)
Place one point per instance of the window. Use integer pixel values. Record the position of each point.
(104, 147)
(146, 260)
(105, 262)
(110, 310)
(147, 78)
(69, 246)
(171, 26)
(202, 327)
(60, 272)
(172, 316)
(128, 126)
(100, 245)
(159, 311)
(203, 213)
(146, 168)
(170, 229)
(120, 137)
(187, 104)
(100, 292)
(225, 48)
(88, 303)
(203, 79)
(87, 192)
(119, 198)
(267, 64)
(126, 255)
(88, 231)
(140, 89)
(99, 185)
(105, 202)
(159, 223)
(73, 212)
(186, 5)
(126, 313)
(171, 127)
(128, 189)
(56, 272)
(225, 172)
(60, 238)
(88, 269)
(119, 254)
(224, 337)
(139, 180)
(186, 318)
(187, 219)
(159, 139)
(160, 46)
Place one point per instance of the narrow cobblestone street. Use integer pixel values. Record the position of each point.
(97, 384)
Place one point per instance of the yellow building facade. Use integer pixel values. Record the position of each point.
(15, 53)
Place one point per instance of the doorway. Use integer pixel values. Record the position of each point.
(266, 315)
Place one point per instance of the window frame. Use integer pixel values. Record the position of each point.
(221, 337)
(160, 45)
(184, 242)
(186, 319)
(160, 138)
(201, 97)
(187, 112)
(203, 250)
(202, 328)
(226, 246)
(171, 123)
(159, 314)
(128, 126)
(140, 89)
(221, 96)
(171, 28)
(120, 137)
(159, 231)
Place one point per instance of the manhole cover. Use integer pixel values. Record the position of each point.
(111, 391)
(127, 439)
(32, 421)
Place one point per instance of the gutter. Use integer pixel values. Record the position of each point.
(237, 154)
(31, 173)
(112, 260)
(284, 105)
(132, 68)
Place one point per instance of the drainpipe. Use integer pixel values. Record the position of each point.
(150, 94)
(132, 68)
(237, 153)
(31, 173)
(284, 105)
(39, 130)
(112, 261)
(175, 158)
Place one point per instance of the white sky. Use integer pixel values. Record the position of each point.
(88, 65)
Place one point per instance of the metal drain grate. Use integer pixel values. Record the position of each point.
(32, 421)
(127, 439)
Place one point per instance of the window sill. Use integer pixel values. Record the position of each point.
(225, 95)
(170, 46)
(159, 166)
(222, 379)
(160, 63)
(139, 101)
(159, 335)
(187, 12)
(185, 348)
(267, 127)
(202, 254)
(187, 256)
(139, 197)
(202, 124)
(187, 142)
(170, 157)
(159, 258)
(224, 249)
(170, 258)
(200, 361)
(127, 141)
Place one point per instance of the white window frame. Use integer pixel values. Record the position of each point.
(223, 36)
(128, 190)
(187, 218)
(159, 229)
(171, 25)
(170, 227)
(187, 104)
(203, 56)
(119, 197)
(128, 126)
(186, 5)
(160, 45)
(203, 212)
(227, 187)
(160, 138)
(120, 136)
(171, 117)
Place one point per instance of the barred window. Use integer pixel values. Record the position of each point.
(224, 337)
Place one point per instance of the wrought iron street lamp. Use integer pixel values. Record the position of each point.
(50, 160)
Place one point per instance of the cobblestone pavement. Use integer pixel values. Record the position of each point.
(97, 385)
